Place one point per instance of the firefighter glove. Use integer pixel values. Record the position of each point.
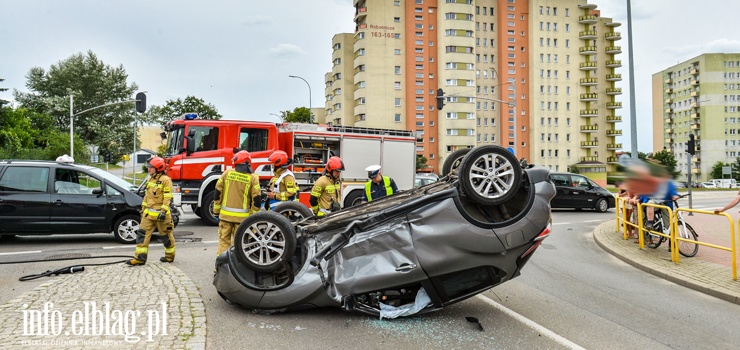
(162, 217)
(334, 206)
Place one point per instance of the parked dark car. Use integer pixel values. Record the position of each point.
(416, 251)
(579, 192)
(45, 197)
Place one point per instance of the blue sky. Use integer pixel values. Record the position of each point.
(237, 55)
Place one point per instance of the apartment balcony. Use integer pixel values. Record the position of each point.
(614, 63)
(589, 128)
(587, 6)
(668, 91)
(668, 131)
(614, 119)
(589, 144)
(588, 66)
(669, 110)
(668, 81)
(589, 159)
(612, 160)
(589, 97)
(613, 77)
(613, 146)
(588, 19)
(614, 91)
(669, 140)
(588, 113)
(694, 116)
(360, 13)
(587, 50)
(613, 105)
(613, 50)
(588, 81)
(668, 100)
(695, 159)
(695, 171)
(613, 132)
(587, 35)
(669, 120)
(694, 105)
(694, 71)
(695, 126)
(613, 36)
(695, 83)
(694, 94)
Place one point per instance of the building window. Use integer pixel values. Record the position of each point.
(398, 102)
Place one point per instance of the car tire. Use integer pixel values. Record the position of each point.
(293, 211)
(264, 241)
(453, 161)
(602, 205)
(125, 228)
(353, 198)
(206, 210)
(490, 175)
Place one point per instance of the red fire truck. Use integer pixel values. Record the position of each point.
(199, 150)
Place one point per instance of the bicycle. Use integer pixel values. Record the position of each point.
(685, 231)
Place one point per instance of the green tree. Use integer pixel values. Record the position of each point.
(175, 108)
(421, 162)
(717, 170)
(668, 160)
(736, 169)
(29, 135)
(298, 115)
(93, 84)
(3, 102)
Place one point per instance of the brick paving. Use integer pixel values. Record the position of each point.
(155, 306)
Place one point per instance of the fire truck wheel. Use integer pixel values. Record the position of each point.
(453, 161)
(293, 211)
(195, 209)
(490, 175)
(206, 210)
(353, 198)
(264, 241)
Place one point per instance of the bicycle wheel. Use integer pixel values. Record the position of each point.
(651, 240)
(687, 248)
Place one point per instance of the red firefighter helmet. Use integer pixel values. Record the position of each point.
(279, 159)
(242, 157)
(156, 163)
(335, 163)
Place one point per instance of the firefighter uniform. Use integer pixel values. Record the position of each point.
(237, 200)
(327, 190)
(155, 214)
(283, 186)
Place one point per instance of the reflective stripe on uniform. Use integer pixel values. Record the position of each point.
(141, 250)
(169, 250)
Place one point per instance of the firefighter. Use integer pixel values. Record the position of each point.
(155, 214)
(326, 192)
(282, 186)
(378, 186)
(238, 196)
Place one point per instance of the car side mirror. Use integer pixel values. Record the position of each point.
(97, 191)
(189, 145)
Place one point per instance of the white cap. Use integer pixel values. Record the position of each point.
(65, 159)
(372, 171)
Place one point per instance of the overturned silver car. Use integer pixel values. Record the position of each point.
(417, 250)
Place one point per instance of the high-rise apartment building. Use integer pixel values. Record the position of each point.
(700, 96)
(536, 76)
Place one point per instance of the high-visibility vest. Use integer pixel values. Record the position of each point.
(386, 183)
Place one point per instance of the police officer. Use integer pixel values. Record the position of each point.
(238, 196)
(155, 214)
(326, 192)
(282, 186)
(378, 186)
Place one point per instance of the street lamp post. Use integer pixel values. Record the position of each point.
(310, 115)
(72, 115)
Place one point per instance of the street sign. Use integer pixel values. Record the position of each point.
(726, 170)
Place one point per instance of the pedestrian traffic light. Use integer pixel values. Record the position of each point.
(440, 99)
(107, 156)
(691, 146)
(141, 102)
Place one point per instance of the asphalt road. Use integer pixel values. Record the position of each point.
(570, 294)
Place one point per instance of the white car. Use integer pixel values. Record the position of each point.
(707, 185)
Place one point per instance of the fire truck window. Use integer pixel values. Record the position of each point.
(206, 138)
(252, 140)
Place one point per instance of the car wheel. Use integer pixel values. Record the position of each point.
(602, 205)
(490, 175)
(293, 211)
(353, 198)
(206, 210)
(453, 161)
(264, 241)
(125, 228)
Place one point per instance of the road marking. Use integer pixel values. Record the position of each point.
(561, 223)
(117, 247)
(17, 253)
(595, 220)
(532, 324)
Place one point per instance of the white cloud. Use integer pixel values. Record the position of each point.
(286, 51)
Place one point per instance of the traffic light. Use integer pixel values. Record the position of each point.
(691, 146)
(440, 99)
(141, 102)
(107, 157)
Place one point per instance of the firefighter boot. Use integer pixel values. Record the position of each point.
(142, 249)
(169, 247)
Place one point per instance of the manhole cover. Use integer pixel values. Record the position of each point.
(188, 239)
(182, 233)
(68, 256)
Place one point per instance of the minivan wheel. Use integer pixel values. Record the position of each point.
(602, 205)
(125, 228)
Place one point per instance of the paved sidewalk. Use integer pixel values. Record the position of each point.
(701, 275)
(155, 306)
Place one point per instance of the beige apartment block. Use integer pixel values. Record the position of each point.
(536, 76)
(700, 96)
